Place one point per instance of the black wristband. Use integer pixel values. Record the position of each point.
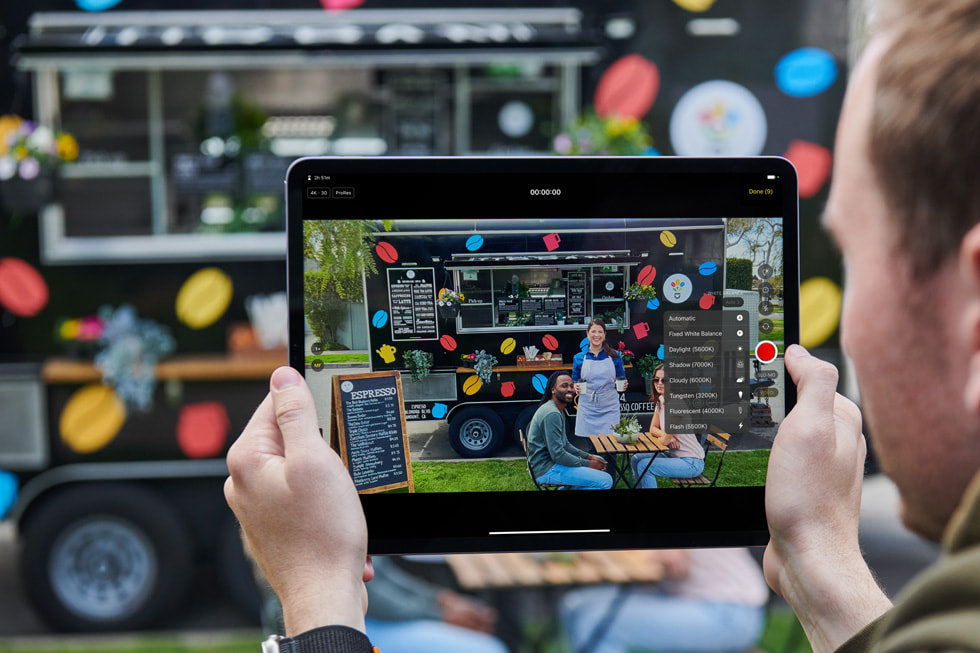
(332, 639)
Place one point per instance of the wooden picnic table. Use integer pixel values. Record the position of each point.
(510, 576)
(512, 570)
(620, 454)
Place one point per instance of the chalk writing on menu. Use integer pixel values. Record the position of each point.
(412, 298)
(576, 294)
(373, 439)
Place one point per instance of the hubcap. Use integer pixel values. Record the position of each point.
(475, 434)
(103, 568)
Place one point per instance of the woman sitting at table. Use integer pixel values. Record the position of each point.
(684, 457)
(710, 601)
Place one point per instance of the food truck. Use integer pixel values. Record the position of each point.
(523, 293)
(170, 221)
(136, 282)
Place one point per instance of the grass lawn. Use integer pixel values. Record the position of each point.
(740, 468)
(339, 357)
(186, 643)
(782, 634)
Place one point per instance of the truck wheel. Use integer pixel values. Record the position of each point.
(523, 422)
(476, 432)
(236, 572)
(105, 557)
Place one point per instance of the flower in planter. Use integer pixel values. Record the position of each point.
(640, 291)
(483, 363)
(589, 134)
(625, 354)
(27, 149)
(449, 297)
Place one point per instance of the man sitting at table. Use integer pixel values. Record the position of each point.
(551, 457)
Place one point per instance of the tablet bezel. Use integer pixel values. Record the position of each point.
(550, 521)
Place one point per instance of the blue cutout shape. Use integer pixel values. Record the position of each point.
(474, 242)
(806, 72)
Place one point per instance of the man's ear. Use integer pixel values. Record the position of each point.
(969, 265)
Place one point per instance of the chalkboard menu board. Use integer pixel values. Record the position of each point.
(508, 305)
(576, 294)
(554, 303)
(370, 430)
(531, 304)
(412, 298)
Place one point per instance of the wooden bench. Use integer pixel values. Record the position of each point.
(718, 439)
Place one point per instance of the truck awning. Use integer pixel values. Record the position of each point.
(294, 37)
(460, 261)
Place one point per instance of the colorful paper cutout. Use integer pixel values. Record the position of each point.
(204, 298)
(813, 164)
(8, 492)
(386, 252)
(202, 429)
(539, 382)
(806, 72)
(820, 308)
(387, 353)
(92, 418)
(23, 291)
(628, 88)
(696, 6)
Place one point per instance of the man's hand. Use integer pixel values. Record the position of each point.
(299, 511)
(595, 462)
(469, 613)
(813, 500)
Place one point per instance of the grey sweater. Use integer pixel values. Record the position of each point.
(547, 444)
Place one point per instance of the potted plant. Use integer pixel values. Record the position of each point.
(638, 295)
(626, 355)
(418, 363)
(449, 302)
(646, 365)
(614, 318)
(483, 363)
(30, 155)
(627, 430)
(590, 134)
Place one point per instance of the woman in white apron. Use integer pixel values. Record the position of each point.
(594, 372)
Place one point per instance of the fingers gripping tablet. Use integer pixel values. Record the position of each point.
(518, 330)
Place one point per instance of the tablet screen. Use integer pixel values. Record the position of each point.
(511, 316)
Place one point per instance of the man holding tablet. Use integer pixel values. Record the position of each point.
(905, 211)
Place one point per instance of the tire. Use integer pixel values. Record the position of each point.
(476, 432)
(523, 421)
(236, 573)
(105, 557)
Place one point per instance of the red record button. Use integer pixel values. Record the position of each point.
(766, 351)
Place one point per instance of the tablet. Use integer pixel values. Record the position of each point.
(432, 299)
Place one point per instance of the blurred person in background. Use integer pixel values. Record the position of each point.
(710, 601)
(408, 614)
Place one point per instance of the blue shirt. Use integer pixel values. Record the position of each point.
(582, 355)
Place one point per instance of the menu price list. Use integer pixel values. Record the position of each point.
(412, 298)
(373, 432)
(706, 366)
